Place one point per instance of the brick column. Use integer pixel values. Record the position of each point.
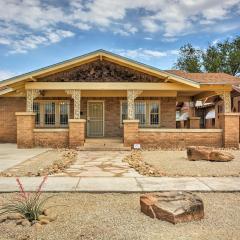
(194, 122)
(182, 124)
(76, 132)
(25, 126)
(229, 122)
(130, 132)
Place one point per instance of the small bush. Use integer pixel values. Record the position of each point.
(29, 205)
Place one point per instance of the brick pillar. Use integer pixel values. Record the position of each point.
(25, 126)
(194, 122)
(76, 132)
(182, 124)
(130, 132)
(229, 122)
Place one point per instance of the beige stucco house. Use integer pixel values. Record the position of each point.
(104, 95)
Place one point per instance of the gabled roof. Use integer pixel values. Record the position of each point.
(208, 78)
(99, 54)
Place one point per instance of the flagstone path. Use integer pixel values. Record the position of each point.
(100, 164)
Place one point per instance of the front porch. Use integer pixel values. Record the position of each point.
(59, 117)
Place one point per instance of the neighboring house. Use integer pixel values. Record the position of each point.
(104, 95)
(211, 107)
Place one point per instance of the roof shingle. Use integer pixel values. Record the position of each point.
(207, 78)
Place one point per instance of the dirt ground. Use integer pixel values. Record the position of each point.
(175, 163)
(117, 216)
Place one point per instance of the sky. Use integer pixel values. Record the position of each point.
(38, 33)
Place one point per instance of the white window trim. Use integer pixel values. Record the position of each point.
(57, 113)
(147, 113)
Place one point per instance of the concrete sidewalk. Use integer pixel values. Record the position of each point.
(11, 156)
(119, 184)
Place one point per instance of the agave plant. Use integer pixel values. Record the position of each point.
(29, 205)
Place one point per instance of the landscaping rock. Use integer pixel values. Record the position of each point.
(221, 156)
(44, 222)
(19, 222)
(15, 216)
(206, 153)
(135, 161)
(25, 223)
(3, 219)
(40, 217)
(174, 207)
(198, 153)
(46, 212)
(37, 225)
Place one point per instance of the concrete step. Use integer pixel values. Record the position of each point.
(104, 144)
(103, 140)
(103, 148)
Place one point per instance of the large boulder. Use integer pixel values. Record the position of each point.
(220, 156)
(207, 153)
(174, 207)
(198, 153)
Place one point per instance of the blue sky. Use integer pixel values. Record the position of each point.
(37, 33)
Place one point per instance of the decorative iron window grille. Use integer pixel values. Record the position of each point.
(36, 109)
(51, 114)
(154, 113)
(146, 111)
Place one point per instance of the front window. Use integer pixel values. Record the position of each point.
(51, 113)
(36, 109)
(154, 113)
(147, 112)
(140, 112)
(64, 112)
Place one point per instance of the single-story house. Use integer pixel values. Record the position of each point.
(104, 95)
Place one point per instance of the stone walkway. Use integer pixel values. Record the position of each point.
(124, 184)
(100, 164)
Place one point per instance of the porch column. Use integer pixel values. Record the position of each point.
(76, 125)
(194, 122)
(130, 128)
(25, 126)
(31, 95)
(229, 122)
(226, 97)
(131, 96)
(76, 96)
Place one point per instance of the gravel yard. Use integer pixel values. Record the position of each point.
(118, 216)
(175, 163)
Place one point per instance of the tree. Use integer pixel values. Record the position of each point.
(223, 57)
(189, 59)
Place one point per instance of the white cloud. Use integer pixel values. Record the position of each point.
(29, 21)
(5, 74)
(33, 41)
(145, 54)
(148, 38)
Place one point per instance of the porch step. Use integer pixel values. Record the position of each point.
(103, 140)
(104, 148)
(104, 144)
